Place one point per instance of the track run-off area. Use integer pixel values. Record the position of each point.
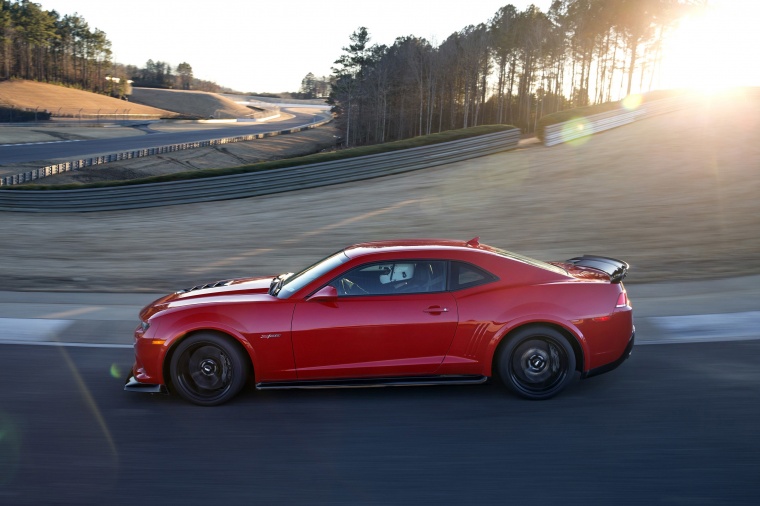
(675, 196)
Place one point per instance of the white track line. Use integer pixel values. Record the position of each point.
(38, 143)
(30, 330)
(67, 345)
(705, 328)
(42, 332)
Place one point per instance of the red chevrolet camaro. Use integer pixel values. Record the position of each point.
(410, 312)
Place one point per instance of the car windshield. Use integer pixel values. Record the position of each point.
(294, 283)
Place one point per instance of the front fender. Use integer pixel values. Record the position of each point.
(264, 332)
(207, 326)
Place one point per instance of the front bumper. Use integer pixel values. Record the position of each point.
(132, 385)
(612, 365)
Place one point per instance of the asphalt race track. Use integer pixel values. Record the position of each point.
(19, 153)
(676, 424)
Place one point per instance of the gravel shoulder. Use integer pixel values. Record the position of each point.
(673, 195)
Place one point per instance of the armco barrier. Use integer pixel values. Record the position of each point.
(253, 184)
(589, 125)
(50, 170)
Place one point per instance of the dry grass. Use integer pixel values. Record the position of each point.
(675, 195)
(32, 95)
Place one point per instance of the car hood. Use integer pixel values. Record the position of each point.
(218, 291)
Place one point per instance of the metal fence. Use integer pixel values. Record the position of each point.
(82, 114)
(589, 125)
(126, 114)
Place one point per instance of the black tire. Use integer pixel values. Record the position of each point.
(208, 369)
(536, 363)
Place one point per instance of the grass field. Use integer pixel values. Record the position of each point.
(33, 95)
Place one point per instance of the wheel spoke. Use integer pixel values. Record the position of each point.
(538, 364)
(207, 370)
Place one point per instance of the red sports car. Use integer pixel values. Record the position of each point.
(410, 312)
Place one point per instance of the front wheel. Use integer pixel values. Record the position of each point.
(536, 363)
(208, 369)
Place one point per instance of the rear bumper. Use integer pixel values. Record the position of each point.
(132, 385)
(612, 365)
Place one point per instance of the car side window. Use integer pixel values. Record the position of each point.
(464, 275)
(393, 277)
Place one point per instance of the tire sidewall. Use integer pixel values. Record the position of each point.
(237, 364)
(505, 368)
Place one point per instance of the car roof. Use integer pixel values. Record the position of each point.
(460, 249)
(406, 245)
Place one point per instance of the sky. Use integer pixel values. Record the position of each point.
(269, 46)
(716, 49)
(266, 46)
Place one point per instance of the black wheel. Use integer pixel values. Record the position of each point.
(208, 369)
(536, 363)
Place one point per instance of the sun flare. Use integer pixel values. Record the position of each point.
(714, 48)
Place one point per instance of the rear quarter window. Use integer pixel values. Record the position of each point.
(463, 275)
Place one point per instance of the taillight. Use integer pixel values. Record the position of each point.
(622, 300)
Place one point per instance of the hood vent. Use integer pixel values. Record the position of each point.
(215, 284)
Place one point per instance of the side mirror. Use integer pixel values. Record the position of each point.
(325, 294)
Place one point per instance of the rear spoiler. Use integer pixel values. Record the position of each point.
(616, 269)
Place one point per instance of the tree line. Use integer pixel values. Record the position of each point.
(46, 46)
(514, 68)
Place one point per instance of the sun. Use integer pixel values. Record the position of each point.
(714, 48)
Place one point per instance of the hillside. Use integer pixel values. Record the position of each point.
(164, 103)
(32, 95)
(191, 103)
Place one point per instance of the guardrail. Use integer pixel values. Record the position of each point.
(83, 114)
(589, 125)
(254, 184)
(59, 168)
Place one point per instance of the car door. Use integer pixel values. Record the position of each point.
(389, 319)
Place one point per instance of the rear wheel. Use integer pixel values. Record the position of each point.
(536, 362)
(208, 369)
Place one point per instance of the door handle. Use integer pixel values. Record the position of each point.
(436, 310)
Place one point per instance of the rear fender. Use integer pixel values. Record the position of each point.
(573, 333)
